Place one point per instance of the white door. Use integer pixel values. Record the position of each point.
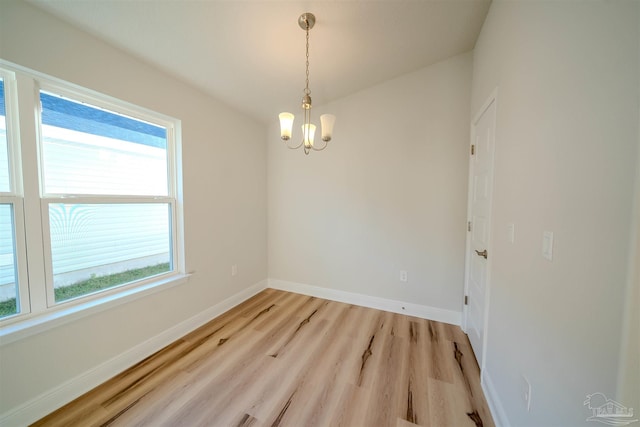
(480, 192)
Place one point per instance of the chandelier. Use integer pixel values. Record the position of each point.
(306, 22)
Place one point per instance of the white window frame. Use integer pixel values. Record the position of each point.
(31, 207)
(14, 197)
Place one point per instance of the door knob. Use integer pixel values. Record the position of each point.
(482, 253)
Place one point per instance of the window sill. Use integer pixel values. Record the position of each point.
(32, 324)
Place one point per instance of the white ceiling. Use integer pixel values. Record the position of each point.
(250, 54)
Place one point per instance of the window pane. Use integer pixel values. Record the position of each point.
(8, 275)
(99, 246)
(89, 150)
(5, 185)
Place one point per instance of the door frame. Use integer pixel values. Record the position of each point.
(492, 99)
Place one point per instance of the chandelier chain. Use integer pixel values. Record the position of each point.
(307, 91)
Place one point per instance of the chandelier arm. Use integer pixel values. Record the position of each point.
(295, 147)
(322, 148)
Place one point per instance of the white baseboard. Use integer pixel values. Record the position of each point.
(493, 400)
(55, 398)
(422, 311)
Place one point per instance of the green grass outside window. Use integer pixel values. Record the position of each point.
(93, 284)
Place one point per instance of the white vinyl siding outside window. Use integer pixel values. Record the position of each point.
(94, 195)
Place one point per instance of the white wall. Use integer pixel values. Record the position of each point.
(629, 372)
(224, 173)
(567, 134)
(388, 194)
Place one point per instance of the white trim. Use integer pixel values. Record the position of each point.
(33, 246)
(498, 413)
(53, 399)
(15, 196)
(411, 309)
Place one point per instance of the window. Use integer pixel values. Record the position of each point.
(93, 154)
(10, 303)
(5, 184)
(8, 277)
(100, 190)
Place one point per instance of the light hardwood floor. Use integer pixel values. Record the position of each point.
(284, 359)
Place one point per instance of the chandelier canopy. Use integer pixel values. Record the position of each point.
(306, 21)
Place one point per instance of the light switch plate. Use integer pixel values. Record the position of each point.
(511, 232)
(547, 245)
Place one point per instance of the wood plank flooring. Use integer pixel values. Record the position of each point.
(284, 359)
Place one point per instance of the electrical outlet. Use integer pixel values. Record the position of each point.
(234, 270)
(525, 392)
(403, 276)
